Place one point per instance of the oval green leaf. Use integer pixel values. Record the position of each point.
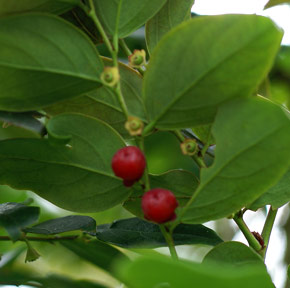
(76, 176)
(133, 14)
(211, 70)
(171, 14)
(182, 184)
(64, 224)
(137, 233)
(250, 158)
(43, 60)
(272, 3)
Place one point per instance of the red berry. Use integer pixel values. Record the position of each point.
(159, 205)
(129, 163)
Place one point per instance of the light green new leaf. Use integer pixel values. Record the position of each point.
(51, 6)
(171, 14)
(43, 60)
(215, 61)
(133, 14)
(234, 254)
(163, 272)
(252, 154)
(103, 103)
(277, 196)
(77, 176)
(272, 3)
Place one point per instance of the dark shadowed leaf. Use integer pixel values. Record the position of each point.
(208, 74)
(76, 176)
(15, 216)
(43, 60)
(171, 14)
(24, 120)
(250, 158)
(64, 224)
(137, 233)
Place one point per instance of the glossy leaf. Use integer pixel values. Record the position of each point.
(137, 233)
(272, 3)
(182, 184)
(233, 253)
(133, 14)
(77, 176)
(171, 14)
(51, 6)
(250, 158)
(15, 216)
(204, 134)
(103, 103)
(25, 120)
(64, 224)
(39, 63)
(95, 252)
(277, 196)
(212, 70)
(163, 272)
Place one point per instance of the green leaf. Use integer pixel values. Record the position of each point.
(233, 253)
(24, 120)
(182, 184)
(103, 103)
(204, 134)
(272, 3)
(77, 176)
(133, 14)
(171, 14)
(95, 252)
(137, 233)
(64, 224)
(39, 65)
(212, 69)
(15, 216)
(250, 158)
(50, 6)
(163, 272)
(277, 195)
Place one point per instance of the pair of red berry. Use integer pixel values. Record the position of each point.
(158, 204)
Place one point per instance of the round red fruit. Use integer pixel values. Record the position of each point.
(159, 205)
(129, 164)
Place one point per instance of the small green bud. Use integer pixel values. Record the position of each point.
(110, 76)
(134, 126)
(189, 147)
(137, 59)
